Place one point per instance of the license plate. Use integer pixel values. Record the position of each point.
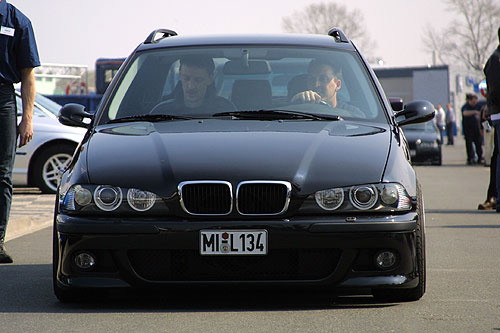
(233, 242)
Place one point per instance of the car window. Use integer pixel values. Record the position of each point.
(37, 112)
(426, 127)
(48, 104)
(248, 77)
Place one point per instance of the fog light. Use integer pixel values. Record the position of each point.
(85, 261)
(385, 259)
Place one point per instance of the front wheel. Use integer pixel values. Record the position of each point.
(49, 166)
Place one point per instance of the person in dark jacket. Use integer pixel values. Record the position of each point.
(19, 58)
(492, 72)
(197, 95)
(470, 123)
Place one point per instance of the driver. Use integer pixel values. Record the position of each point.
(323, 84)
(197, 94)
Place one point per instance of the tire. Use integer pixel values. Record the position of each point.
(438, 160)
(49, 166)
(412, 294)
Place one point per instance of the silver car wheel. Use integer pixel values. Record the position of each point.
(53, 169)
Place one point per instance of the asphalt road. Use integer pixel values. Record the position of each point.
(463, 290)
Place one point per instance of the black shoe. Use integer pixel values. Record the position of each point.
(4, 257)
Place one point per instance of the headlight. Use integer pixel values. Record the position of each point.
(108, 198)
(95, 199)
(140, 200)
(330, 199)
(83, 196)
(363, 197)
(389, 197)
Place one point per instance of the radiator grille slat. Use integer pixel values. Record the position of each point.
(206, 198)
(253, 197)
(260, 198)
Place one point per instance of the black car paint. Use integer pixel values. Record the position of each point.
(311, 155)
(295, 142)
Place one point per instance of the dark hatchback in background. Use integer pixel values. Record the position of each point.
(425, 143)
(265, 192)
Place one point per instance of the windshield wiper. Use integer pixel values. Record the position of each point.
(277, 114)
(149, 117)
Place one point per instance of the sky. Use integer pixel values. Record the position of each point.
(79, 32)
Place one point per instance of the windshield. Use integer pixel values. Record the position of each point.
(429, 126)
(199, 82)
(42, 104)
(48, 104)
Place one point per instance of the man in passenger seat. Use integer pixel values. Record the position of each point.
(323, 83)
(197, 96)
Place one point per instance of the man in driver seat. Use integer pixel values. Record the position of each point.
(323, 84)
(197, 95)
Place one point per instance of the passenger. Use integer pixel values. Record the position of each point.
(197, 96)
(324, 83)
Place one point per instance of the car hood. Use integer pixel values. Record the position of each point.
(311, 155)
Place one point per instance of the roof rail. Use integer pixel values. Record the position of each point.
(338, 35)
(152, 36)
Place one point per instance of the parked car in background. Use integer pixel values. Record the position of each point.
(425, 143)
(205, 165)
(40, 163)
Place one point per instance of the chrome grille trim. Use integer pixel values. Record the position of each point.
(197, 182)
(287, 185)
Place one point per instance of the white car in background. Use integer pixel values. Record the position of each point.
(40, 163)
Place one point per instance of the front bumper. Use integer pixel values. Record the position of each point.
(322, 252)
(425, 154)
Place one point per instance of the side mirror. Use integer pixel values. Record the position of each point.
(75, 115)
(415, 112)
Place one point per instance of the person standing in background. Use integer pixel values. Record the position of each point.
(450, 124)
(470, 125)
(19, 58)
(488, 135)
(440, 120)
(492, 72)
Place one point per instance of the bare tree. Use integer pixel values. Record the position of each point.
(318, 18)
(471, 37)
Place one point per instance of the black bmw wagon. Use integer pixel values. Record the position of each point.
(248, 160)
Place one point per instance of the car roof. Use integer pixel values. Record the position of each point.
(248, 39)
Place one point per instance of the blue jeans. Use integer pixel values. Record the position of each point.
(8, 136)
(496, 125)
